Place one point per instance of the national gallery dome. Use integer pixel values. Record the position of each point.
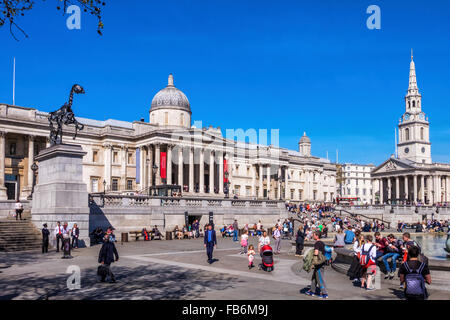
(170, 97)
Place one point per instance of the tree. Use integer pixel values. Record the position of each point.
(11, 9)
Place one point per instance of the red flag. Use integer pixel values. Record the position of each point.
(163, 165)
(225, 169)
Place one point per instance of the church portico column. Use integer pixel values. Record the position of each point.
(381, 190)
(149, 167)
(430, 190)
(279, 183)
(123, 167)
(253, 170)
(422, 189)
(414, 188)
(406, 188)
(397, 189)
(389, 191)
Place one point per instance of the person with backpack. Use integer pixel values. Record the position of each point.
(367, 261)
(318, 277)
(413, 274)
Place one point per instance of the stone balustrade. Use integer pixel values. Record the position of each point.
(113, 201)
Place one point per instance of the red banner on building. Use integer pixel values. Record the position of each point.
(163, 171)
(225, 169)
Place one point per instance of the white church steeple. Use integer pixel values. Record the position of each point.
(413, 128)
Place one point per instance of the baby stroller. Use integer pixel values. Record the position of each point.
(267, 258)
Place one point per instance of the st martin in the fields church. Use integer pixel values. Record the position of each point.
(410, 177)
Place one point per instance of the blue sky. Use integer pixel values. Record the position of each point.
(302, 65)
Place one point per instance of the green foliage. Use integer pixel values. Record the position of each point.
(11, 9)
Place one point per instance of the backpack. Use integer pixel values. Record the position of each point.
(414, 282)
(364, 257)
(308, 261)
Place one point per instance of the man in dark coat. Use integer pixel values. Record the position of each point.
(45, 235)
(299, 241)
(210, 242)
(106, 257)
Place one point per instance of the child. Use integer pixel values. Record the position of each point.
(244, 242)
(251, 256)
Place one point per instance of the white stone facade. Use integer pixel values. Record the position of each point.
(356, 182)
(121, 156)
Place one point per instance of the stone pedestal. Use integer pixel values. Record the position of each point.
(61, 195)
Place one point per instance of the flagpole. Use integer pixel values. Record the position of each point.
(14, 82)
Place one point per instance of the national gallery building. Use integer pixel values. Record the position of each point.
(132, 157)
(411, 176)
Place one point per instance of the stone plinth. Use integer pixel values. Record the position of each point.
(61, 195)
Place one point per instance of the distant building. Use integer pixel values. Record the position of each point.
(355, 182)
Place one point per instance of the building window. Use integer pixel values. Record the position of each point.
(94, 185)
(130, 158)
(248, 191)
(12, 148)
(115, 184)
(115, 156)
(421, 133)
(95, 156)
(292, 193)
(406, 134)
(129, 184)
(300, 194)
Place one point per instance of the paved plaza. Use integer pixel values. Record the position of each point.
(176, 270)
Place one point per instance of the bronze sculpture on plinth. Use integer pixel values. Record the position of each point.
(64, 116)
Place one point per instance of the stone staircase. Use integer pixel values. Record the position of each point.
(19, 236)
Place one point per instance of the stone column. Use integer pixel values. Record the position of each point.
(201, 172)
(268, 181)
(389, 189)
(107, 149)
(286, 185)
(447, 191)
(253, 170)
(149, 166)
(381, 187)
(3, 195)
(406, 188)
(180, 167)
(30, 161)
(261, 188)
(422, 188)
(415, 188)
(439, 188)
(374, 182)
(211, 172)
(191, 169)
(158, 163)
(397, 188)
(169, 164)
(220, 172)
(123, 167)
(279, 183)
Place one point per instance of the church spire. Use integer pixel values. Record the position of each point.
(412, 89)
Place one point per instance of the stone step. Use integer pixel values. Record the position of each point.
(19, 235)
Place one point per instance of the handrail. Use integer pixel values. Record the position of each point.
(364, 216)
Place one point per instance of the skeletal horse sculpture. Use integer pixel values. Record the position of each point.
(64, 116)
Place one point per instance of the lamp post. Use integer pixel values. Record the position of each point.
(227, 184)
(104, 191)
(34, 168)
